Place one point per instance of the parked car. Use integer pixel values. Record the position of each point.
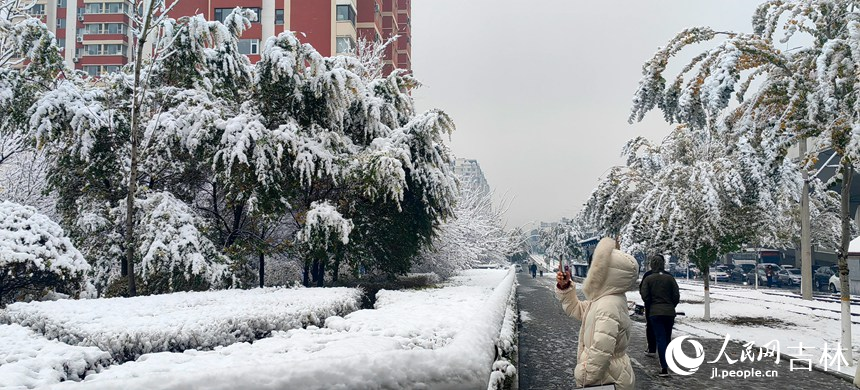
(762, 275)
(718, 275)
(747, 268)
(738, 275)
(833, 284)
(821, 277)
(789, 277)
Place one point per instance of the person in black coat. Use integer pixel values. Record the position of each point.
(649, 330)
(660, 292)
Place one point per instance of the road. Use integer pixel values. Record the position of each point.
(548, 341)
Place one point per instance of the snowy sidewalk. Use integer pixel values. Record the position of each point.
(548, 340)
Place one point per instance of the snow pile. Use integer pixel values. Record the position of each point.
(775, 315)
(434, 338)
(28, 360)
(130, 327)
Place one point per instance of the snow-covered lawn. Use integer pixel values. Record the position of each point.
(762, 316)
(130, 327)
(29, 361)
(433, 338)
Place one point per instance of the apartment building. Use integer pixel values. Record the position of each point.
(471, 175)
(96, 37)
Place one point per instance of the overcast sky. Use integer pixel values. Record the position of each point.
(540, 90)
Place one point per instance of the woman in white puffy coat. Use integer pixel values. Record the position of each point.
(601, 357)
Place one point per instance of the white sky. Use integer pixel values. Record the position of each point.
(541, 90)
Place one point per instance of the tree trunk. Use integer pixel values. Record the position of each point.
(305, 274)
(335, 269)
(805, 226)
(707, 278)
(237, 224)
(320, 279)
(262, 269)
(844, 286)
(315, 269)
(136, 102)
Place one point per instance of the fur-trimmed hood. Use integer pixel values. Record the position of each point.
(611, 272)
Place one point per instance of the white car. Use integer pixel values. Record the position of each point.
(834, 284)
(717, 275)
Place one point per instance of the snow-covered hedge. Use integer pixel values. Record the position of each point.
(504, 369)
(130, 327)
(29, 360)
(36, 257)
(434, 338)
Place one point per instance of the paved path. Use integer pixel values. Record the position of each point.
(548, 340)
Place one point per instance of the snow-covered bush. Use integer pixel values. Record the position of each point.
(130, 327)
(28, 360)
(36, 256)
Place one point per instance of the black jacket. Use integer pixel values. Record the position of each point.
(660, 294)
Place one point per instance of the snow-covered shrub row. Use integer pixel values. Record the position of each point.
(431, 338)
(504, 371)
(130, 327)
(28, 360)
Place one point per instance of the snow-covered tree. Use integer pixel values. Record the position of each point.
(473, 235)
(36, 257)
(562, 240)
(699, 194)
(805, 92)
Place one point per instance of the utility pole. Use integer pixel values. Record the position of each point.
(805, 241)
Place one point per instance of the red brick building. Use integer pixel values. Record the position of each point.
(96, 37)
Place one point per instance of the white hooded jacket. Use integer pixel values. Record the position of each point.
(601, 357)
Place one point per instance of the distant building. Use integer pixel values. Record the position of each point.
(470, 174)
(96, 36)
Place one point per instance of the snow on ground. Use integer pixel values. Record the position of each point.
(130, 327)
(761, 316)
(29, 361)
(439, 338)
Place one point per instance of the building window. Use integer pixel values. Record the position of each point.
(61, 3)
(345, 13)
(376, 7)
(61, 44)
(37, 9)
(116, 8)
(98, 70)
(249, 46)
(92, 70)
(93, 8)
(221, 14)
(61, 23)
(114, 28)
(279, 16)
(104, 28)
(105, 50)
(345, 45)
(93, 28)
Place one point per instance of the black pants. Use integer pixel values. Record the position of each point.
(649, 333)
(663, 334)
(769, 280)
